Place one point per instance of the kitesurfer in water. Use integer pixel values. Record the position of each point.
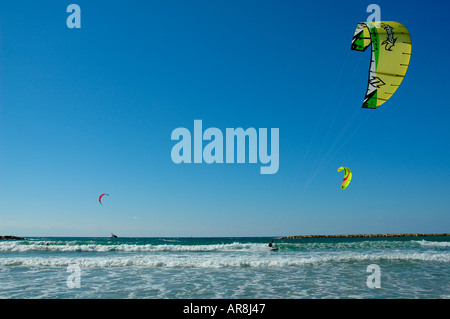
(271, 244)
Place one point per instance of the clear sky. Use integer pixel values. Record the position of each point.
(91, 110)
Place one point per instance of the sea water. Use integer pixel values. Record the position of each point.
(234, 268)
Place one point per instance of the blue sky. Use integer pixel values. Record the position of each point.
(91, 110)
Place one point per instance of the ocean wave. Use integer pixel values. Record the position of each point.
(219, 261)
(95, 246)
(425, 243)
(74, 247)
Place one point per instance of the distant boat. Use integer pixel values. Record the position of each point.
(113, 236)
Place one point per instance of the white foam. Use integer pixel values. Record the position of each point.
(218, 260)
(65, 246)
(425, 243)
(55, 247)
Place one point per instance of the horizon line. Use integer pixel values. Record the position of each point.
(10, 237)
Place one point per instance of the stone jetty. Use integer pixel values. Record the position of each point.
(364, 235)
(11, 238)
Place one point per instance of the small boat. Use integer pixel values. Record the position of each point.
(113, 236)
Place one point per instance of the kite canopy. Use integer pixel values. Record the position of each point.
(347, 176)
(391, 52)
(100, 198)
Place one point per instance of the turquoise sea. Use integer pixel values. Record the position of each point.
(229, 268)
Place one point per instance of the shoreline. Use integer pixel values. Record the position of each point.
(365, 235)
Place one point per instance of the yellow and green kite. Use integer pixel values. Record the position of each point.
(347, 176)
(391, 52)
